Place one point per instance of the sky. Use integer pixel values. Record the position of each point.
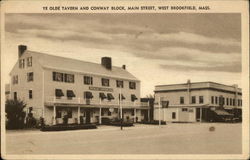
(158, 49)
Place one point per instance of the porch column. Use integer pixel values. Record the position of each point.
(134, 115)
(200, 114)
(78, 115)
(149, 115)
(163, 114)
(54, 115)
(100, 116)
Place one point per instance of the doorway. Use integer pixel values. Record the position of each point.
(88, 116)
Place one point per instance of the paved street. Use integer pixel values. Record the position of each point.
(141, 139)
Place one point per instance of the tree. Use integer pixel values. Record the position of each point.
(15, 113)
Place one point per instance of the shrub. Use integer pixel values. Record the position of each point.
(15, 113)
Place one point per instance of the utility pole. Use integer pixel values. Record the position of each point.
(159, 104)
(120, 98)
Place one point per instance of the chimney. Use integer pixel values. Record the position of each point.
(107, 62)
(124, 67)
(21, 50)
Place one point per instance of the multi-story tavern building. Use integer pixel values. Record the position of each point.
(53, 87)
(191, 102)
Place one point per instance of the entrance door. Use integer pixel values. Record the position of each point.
(145, 115)
(198, 114)
(87, 116)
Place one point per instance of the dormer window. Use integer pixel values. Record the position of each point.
(29, 62)
(21, 63)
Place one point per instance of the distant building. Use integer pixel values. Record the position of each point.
(201, 101)
(54, 87)
(7, 91)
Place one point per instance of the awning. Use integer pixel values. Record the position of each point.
(59, 93)
(110, 96)
(222, 113)
(102, 95)
(70, 93)
(133, 97)
(122, 97)
(88, 95)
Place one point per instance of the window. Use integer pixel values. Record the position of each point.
(201, 99)
(69, 78)
(173, 115)
(119, 84)
(88, 80)
(133, 97)
(133, 112)
(30, 94)
(21, 63)
(121, 97)
(184, 109)
(216, 100)
(15, 79)
(58, 93)
(69, 113)
(227, 101)
(58, 76)
(58, 114)
(132, 85)
(109, 113)
(105, 82)
(181, 100)
(70, 94)
(110, 96)
(30, 76)
(102, 96)
(212, 99)
(88, 95)
(102, 112)
(193, 99)
(15, 95)
(231, 101)
(238, 102)
(29, 62)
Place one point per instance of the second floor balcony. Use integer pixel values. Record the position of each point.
(94, 101)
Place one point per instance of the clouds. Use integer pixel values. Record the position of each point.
(174, 43)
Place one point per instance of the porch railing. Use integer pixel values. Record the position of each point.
(94, 101)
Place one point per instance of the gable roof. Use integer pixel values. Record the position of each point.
(73, 65)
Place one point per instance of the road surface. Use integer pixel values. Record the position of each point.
(188, 138)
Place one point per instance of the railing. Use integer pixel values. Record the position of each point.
(94, 101)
